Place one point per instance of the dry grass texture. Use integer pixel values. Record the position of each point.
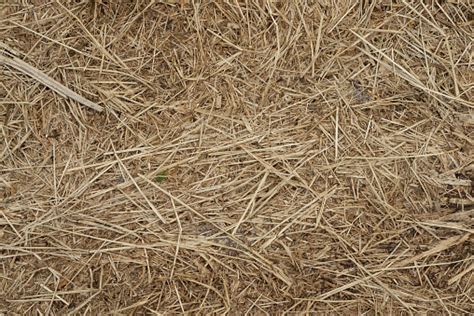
(251, 157)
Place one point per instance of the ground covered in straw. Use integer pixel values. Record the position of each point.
(236, 156)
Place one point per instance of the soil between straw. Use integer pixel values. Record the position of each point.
(251, 157)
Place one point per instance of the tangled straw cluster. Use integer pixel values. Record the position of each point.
(251, 157)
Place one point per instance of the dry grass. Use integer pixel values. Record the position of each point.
(252, 157)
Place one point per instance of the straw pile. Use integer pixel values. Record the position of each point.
(236, 156)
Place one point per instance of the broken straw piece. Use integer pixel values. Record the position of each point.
(41, 77)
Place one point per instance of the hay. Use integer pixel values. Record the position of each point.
(251, 157)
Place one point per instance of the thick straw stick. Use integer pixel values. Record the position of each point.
(46, 80)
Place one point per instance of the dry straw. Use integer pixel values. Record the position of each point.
(246, 157)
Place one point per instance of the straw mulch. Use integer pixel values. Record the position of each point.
(233, 156)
